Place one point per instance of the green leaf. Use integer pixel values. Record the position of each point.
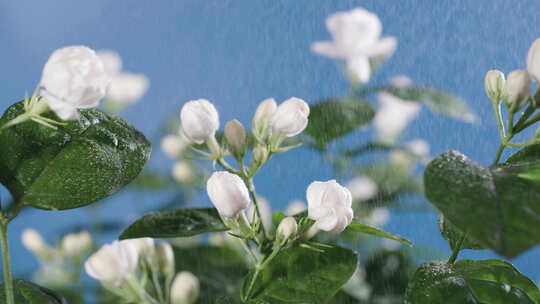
(175, 223)
(29, 293)
(332, 119)
(495, 206)
(437, 101)
(529, 154)
(80, 163)
(453, 236)
(152, 181)
(220, 270)
(371, 230)
(302, 275)
(470, 282)
(388, 272)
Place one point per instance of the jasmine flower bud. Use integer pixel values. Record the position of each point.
(494, 84)
(185, 288)
(236, 137)
(228, 193)
(518, 86)
(200, 120)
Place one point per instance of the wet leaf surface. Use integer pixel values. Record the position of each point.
(371, 230)
(29, 293)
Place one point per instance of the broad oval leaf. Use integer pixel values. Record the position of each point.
(470, 282)
(371, 230)
(175, 223)
(332, 119)
(437, 101)
(82, 162)
(496, 206)
(302, 275)
(29, 293)
(454, 236)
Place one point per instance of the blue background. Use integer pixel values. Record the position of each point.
(236, 53)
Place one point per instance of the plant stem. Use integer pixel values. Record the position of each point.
(8, 278)
(251, 188)
(499, 154)
(456, 251)
(498, 116)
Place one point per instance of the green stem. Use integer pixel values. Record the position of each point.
(498, 116)
(8, 277)
(456, 250)
(258, 269)
(251, 188)
(531, 121)
(499, 154)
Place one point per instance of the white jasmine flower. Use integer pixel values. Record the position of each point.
(290, 118)
(533, 60)
(393, 116)
(76, 244)
(517, 86)
(73, 78)
(113, 263)
(356, 39)
(33, 241)
(228, 193)
(362, 188)
(182, 172)
(185, 288)
(329, 204)
(200, 120)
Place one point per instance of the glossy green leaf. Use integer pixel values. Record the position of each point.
(470, 282)
(371, 230)
(496, 206)
(302, 275)
(453, 235)
(29, 293)
(175, 223)
(329, 120)
(82, 162)
(220, 270)
(437, 101)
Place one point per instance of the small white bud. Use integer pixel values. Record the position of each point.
(76, 244)
(228, 193)
(259, 155)
(33, 241)
(533, 60)
(264, 111)
(518, 86)
(185, 288)
(494, 84)
(290, 118)
(286, 228)
(236, 137)
(329, 205)
(182, 172)
(165, 258)
(200, 120)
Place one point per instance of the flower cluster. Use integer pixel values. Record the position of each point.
(138, 270)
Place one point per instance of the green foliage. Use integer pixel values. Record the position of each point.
(29, 293)
(454, 236)
(388, 272)
(470, 282)
(82, 162)
(495, 205)
(175, 223)
(371, 230)
(437, 101)
(329, 120)
(302, 275)
(219, 269)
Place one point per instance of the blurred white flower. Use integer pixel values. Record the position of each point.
(143, 245)
(517, 86)
(362, 188)
(329, 204)
(393, 116)
(113, 263)
(228, 193)
(265, 209)
(290, 118)
(33, 241)
(401, 81)
(73, 78)
(182, 172)
(165, 258)
(378, 217)
(76, 244)
(185, 288)
(125, 88)
(418, 147)
(295, 207)
(533, 60)
(200, 120)
(356, 38)
(174, 145)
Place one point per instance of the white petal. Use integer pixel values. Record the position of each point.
(327, 223)
(533, 60)
(327, 48)
(359, 66)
